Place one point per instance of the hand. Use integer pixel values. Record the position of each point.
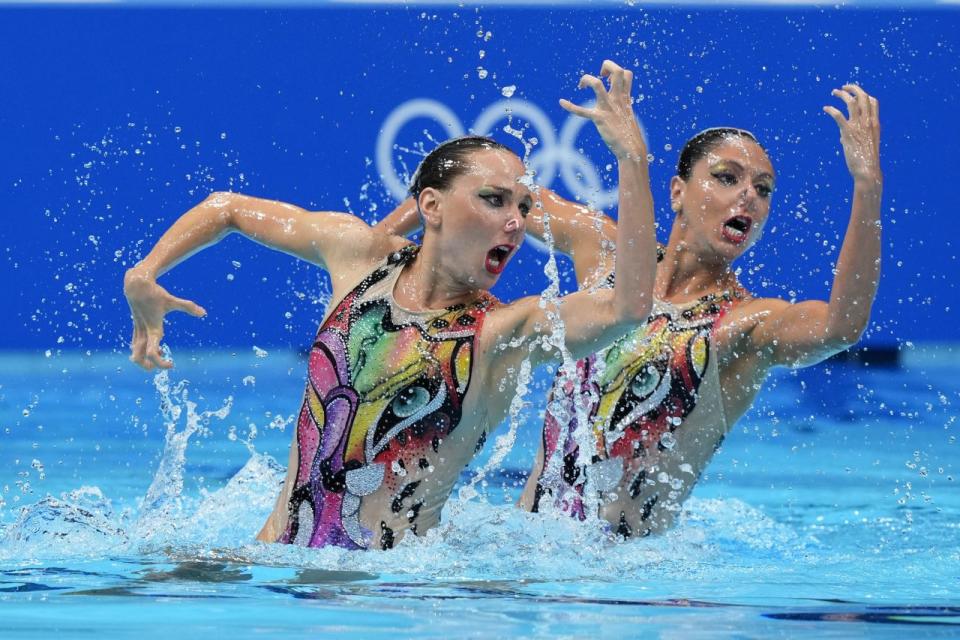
(149, 303)
(613, 113)
(860, 133)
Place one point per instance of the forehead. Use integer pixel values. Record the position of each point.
(743, 151)
(496, 167)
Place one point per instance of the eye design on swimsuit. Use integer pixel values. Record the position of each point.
(645, 382)
(383, 390)
(410, 400)
(666, 371)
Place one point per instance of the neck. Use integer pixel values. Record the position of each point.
(427, 283)
(685, 274)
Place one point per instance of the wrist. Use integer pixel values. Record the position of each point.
(139, 273)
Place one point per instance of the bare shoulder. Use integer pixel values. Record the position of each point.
(738, 324)
(358, 245)
(505, 321)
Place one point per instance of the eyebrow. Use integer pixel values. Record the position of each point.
(507, 191)
(764, 174)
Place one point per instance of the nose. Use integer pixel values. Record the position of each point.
(513, 224)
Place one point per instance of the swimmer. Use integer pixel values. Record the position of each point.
(416, 360)
(659, 401)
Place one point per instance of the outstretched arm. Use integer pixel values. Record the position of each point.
(334, 240)
(808, 332)
(592, 319)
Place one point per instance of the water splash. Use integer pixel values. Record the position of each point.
(162, 509)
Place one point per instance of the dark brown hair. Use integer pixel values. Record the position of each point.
(448, 161)
(703, 143)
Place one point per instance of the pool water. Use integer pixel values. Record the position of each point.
(130, 502)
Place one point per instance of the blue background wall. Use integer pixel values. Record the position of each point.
(114, 121)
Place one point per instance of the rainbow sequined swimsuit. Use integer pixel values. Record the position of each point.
(635, 395)
(384, 385)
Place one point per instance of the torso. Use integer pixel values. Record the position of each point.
(380, 435)
(655, 412)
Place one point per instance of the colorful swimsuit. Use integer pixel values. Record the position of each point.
(384, 387)
(653, 390)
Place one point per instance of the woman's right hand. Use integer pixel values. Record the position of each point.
(613, 112)
(149, 303)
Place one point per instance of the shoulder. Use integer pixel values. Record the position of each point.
(740, 320)
(358, 245)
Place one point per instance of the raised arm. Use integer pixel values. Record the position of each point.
(592, 319)
(402, 221)
(805, 333)
(335, 240)
(586, 235)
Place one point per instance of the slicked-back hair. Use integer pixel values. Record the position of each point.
(449, 161)
(703, 143)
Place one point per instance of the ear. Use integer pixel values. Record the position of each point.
(429, 203)
(677, 188)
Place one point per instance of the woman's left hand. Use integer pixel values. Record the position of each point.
(613, 113)
(859, 133)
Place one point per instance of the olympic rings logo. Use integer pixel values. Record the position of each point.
(555, 155)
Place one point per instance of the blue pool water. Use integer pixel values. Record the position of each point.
(831, 511)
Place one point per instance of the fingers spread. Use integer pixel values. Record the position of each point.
(139, 343)
(863, 100)
(575, 109)
(187, 306)
(835, 113)
(848, 99)
(153, 354)
(616, 74)
(875, 111)
(594, 83)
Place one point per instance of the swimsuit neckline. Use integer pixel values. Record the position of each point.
(405, 256)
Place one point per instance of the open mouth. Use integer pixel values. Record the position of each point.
(497, 258)
(737, 228)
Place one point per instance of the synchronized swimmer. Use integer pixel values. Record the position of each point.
(405, 376)
(655, 406)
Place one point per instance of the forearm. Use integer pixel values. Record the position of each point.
(201, 226)
(571, 225)
(858, 267)
(636, 260)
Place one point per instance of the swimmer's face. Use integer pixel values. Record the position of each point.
(481, 217)
(725, 202)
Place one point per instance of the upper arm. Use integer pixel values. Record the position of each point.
(402, 221)
(587, 236)
(588, 320)
(792, 334)
(329, 239)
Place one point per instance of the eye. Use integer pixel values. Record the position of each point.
(524, 209)
(725, 178)
(763, 190)
(409, 401)
(493, 199)
(645, 382)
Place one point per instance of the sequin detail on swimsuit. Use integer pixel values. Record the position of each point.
(383, 385)
(632, 393)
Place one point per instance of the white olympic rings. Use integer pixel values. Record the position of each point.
(553, 155)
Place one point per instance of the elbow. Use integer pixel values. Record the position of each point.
(635, 310)
(222, 205)
(842, 338)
